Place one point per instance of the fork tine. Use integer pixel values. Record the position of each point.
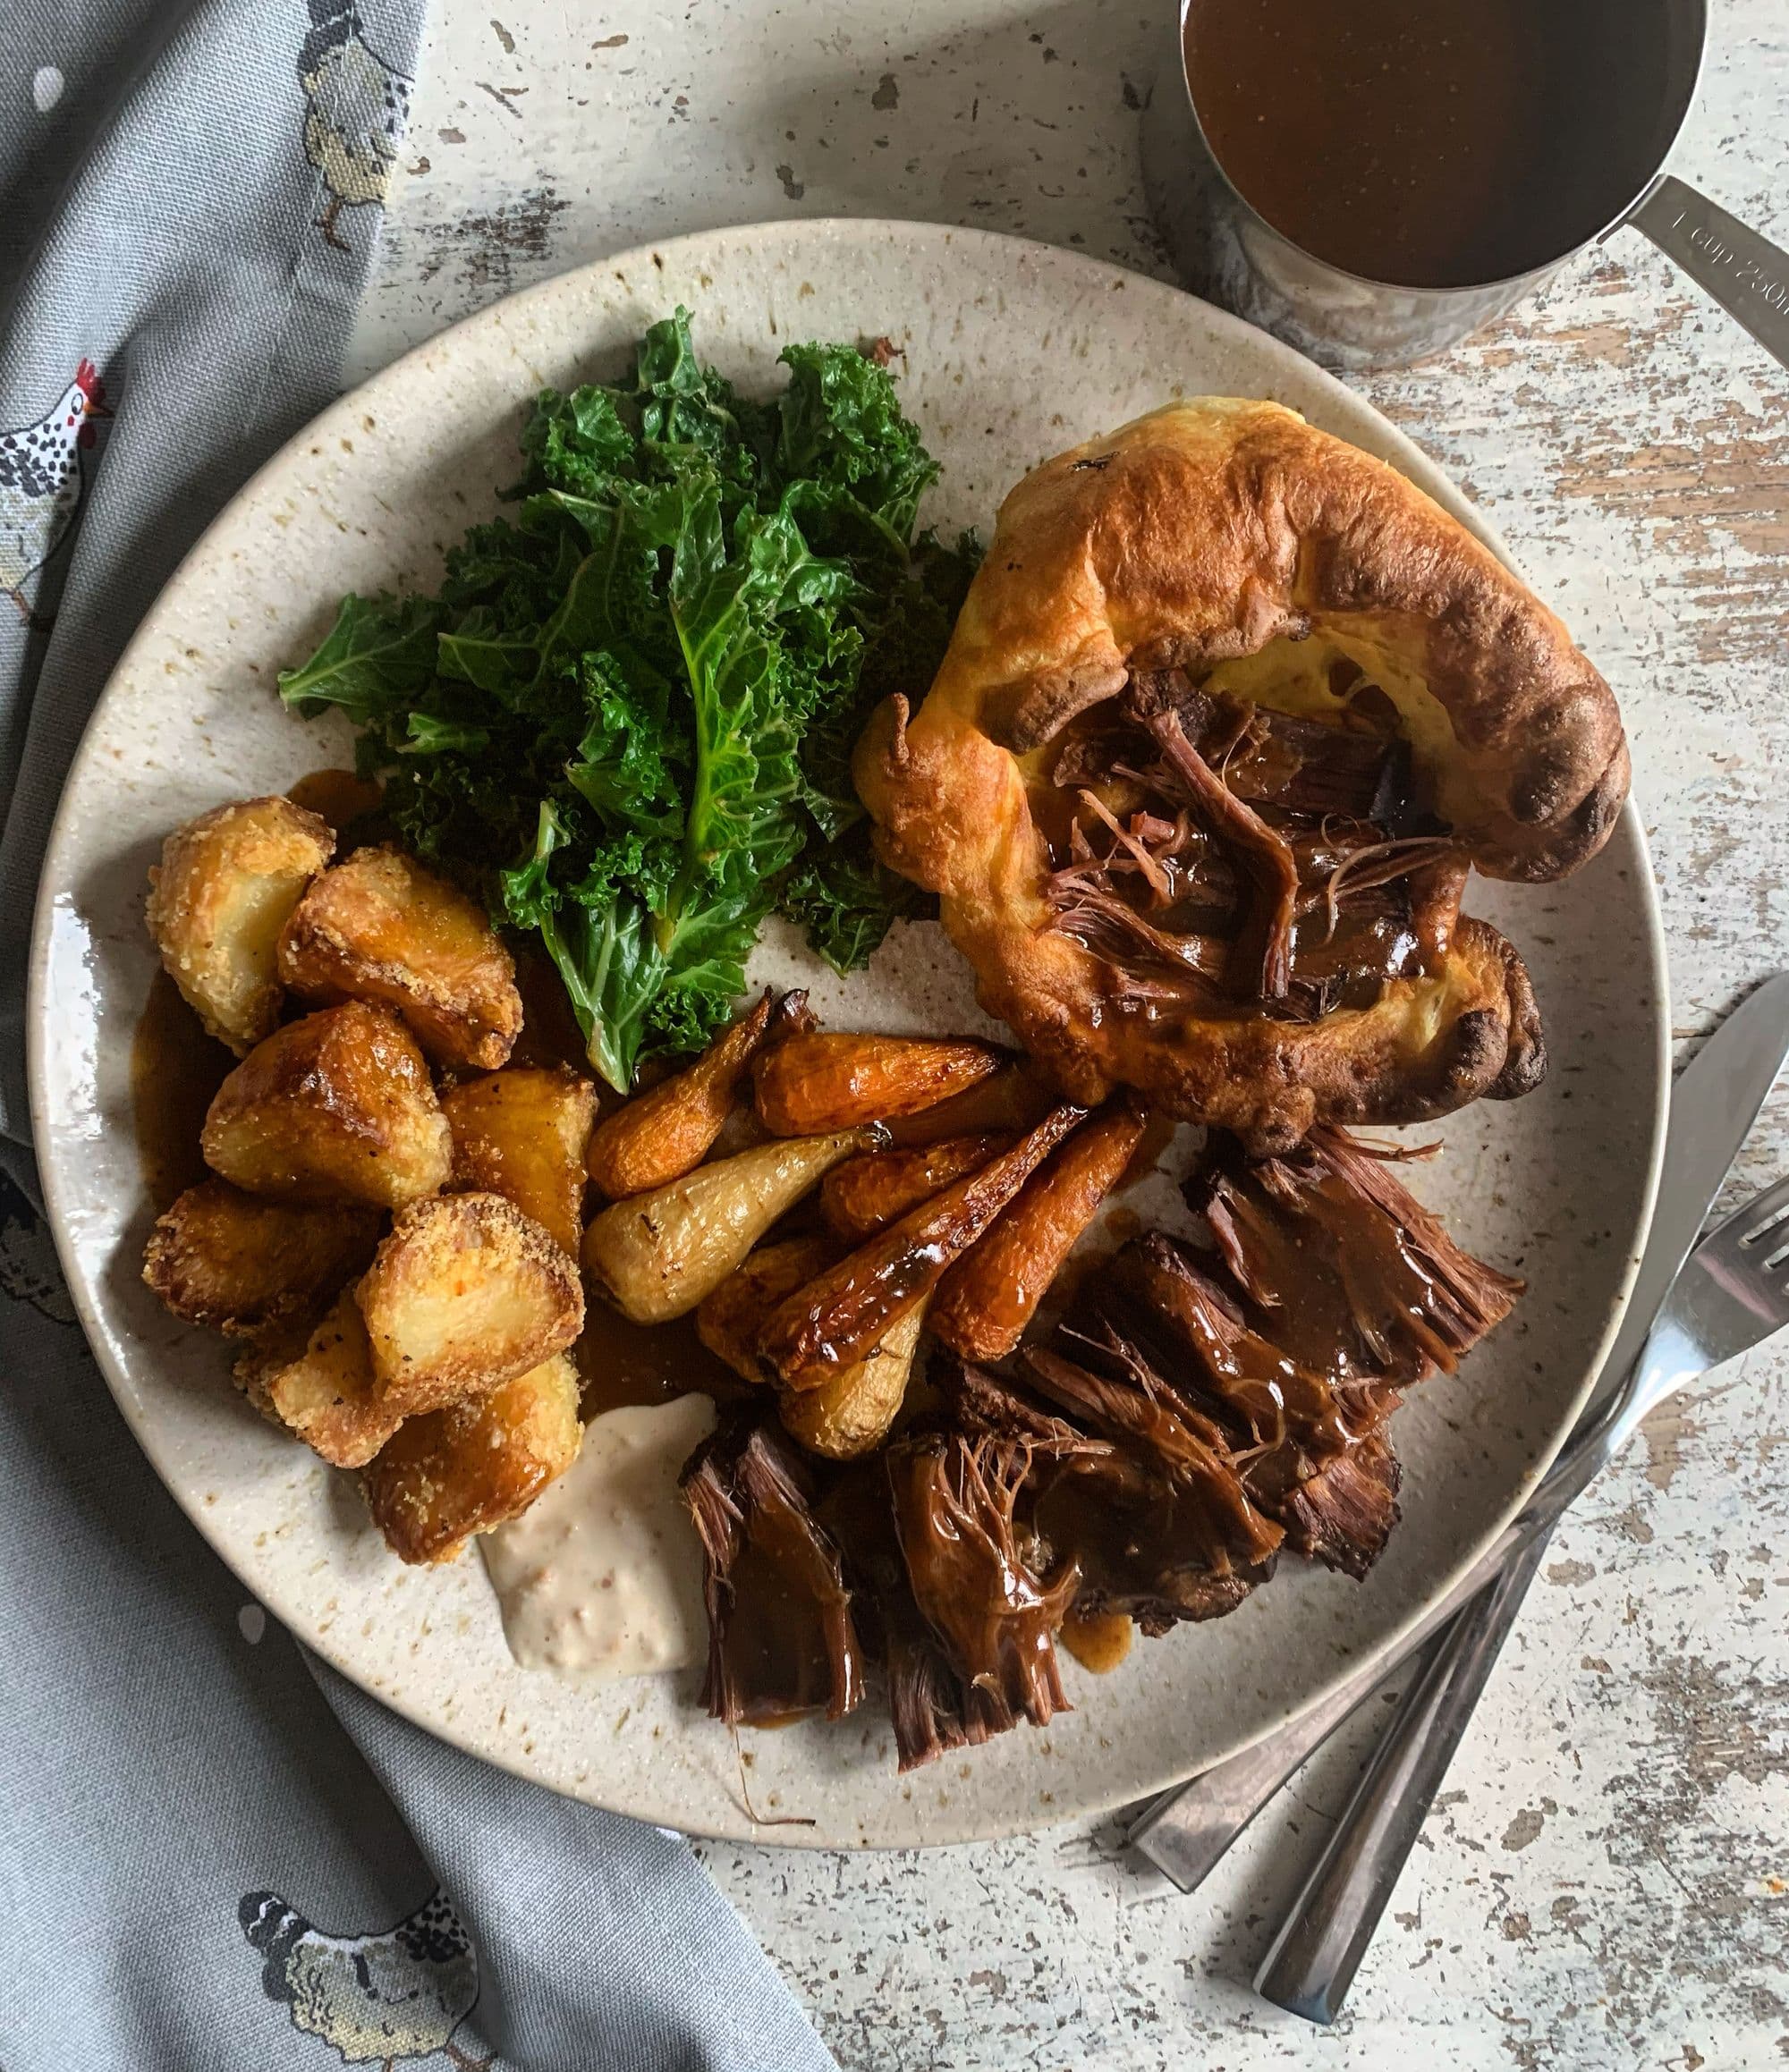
(1754, 1220)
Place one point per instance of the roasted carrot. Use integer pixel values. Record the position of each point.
(1008, 1103)
(986, 1301)
(866, 1195)
(730, 1318)
(841, 1313)
(817, 1083)
(664, 1133)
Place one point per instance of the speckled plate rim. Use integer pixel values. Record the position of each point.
(1002, 252)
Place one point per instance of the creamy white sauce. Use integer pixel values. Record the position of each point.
(602, 1577)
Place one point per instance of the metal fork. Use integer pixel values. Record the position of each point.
(1732, 1294)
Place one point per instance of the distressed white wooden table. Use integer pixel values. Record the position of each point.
(1606, 1882)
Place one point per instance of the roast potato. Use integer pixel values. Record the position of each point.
(466, 1293)
(241, 1262)
(521, 1133)
(329, 1396)
(380, 928)
(227, 886)
(336, 1107)
(451, 1473)
(263, 1355)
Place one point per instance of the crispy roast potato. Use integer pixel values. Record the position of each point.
(852, 1408)
(380, 928)
(668, 1131)
(329, 1396)
(522, 1134)
(336, 1107)
(465, 1294)
(729, 1318)
(819, 1082)
(263, 1355)
(227, 886)
(452, 1473)
(241, 1262)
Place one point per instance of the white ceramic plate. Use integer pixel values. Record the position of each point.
(1011, 351)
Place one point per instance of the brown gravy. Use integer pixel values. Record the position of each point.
(622, 1362)
(338, 796)
(1098, 1640)
(1433, 143)
(176, 1069)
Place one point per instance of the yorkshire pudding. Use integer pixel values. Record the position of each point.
(1229, 713)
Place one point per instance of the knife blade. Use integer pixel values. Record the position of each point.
(1715, 1101)
(1186, 1830)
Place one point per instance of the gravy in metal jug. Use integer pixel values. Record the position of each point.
(1432, 143)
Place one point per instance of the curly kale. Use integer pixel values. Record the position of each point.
(630, 707)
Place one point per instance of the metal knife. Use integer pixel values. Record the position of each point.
(1715, 1100)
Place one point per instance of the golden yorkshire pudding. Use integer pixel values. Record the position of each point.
(1230, 711)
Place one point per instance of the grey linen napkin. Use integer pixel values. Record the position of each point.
(201, 1862)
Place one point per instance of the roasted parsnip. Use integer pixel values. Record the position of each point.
(227, 886)
(841, 1313)
(380, 928)
(668, 1131)
(521, 1133)
(851, 1410)
(730, 1317)
(329, 1396)
(241, 1262)
(986, 1301)
(465, 1294)
(336, 1107)
(452, 1473)
(655, 1255)
(866, 1195)
(819, 1081)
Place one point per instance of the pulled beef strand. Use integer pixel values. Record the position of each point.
(1105, 922)
(986, 1405)
(1301, 1468)
(781, 1639)
(1356, 1278)
(1280, 1404)
(1157, 1523)
(1261, 963)
(1253, 899)
(933, 1708)
(1343, 1516)
(996, 1619)
(1311, 767)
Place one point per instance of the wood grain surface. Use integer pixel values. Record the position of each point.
(1605, 1882)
